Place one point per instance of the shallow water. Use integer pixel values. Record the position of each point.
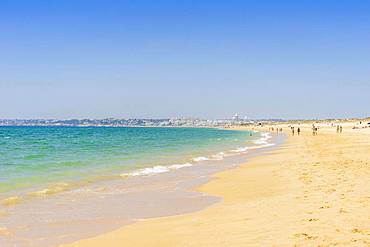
(33, 159)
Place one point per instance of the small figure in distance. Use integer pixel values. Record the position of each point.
(313, 129)
(337, 128)
(292, 131)
(299, 130)
(340, 129)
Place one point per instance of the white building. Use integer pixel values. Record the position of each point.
(236, 117)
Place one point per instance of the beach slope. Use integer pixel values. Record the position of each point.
(311, 191)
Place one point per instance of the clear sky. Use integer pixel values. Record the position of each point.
(209, 59)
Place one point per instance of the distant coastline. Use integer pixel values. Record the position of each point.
(113, 122)
(161, 122)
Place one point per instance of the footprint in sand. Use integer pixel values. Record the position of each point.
(330, 191)
(325, 206)
(312, 220)
(305, 236)
(363, 232)
(343, 211)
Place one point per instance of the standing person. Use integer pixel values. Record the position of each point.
(313, 129)
(293, 131)
(299, 130)
(340, 129)
(337, 128)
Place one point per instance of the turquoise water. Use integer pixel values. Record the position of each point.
(35, 157)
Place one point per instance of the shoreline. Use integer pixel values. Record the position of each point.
(309, 191)
(134, 198)
(15, 197)
(233, 161)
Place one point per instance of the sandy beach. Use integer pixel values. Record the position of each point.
(310, 191)
(184, 123)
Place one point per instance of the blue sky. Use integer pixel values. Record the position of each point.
(209, 59)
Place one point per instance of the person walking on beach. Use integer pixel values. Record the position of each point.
(299, 130)
(292, 131)
(337, 128)
(340, 129)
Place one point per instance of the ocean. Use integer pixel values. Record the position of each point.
(52, 159)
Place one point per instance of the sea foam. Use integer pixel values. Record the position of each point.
(154, 170)
(219, 156)
(200, 159)
(262, 141)
(240, 150)
(179, 166)
(264, 138)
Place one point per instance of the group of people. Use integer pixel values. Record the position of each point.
(314, 130)
(298, 130)
(277, 129)
(293, 130)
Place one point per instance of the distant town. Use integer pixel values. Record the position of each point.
(113, 122)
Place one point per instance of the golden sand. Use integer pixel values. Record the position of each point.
(311, 191)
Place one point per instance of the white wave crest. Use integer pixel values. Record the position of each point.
(154, 170)
(264, 138)
(179, 166)
(219, 156)
(150, 170)
(240, 150)
(200, 159)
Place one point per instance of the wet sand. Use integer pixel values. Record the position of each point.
(311, 191)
